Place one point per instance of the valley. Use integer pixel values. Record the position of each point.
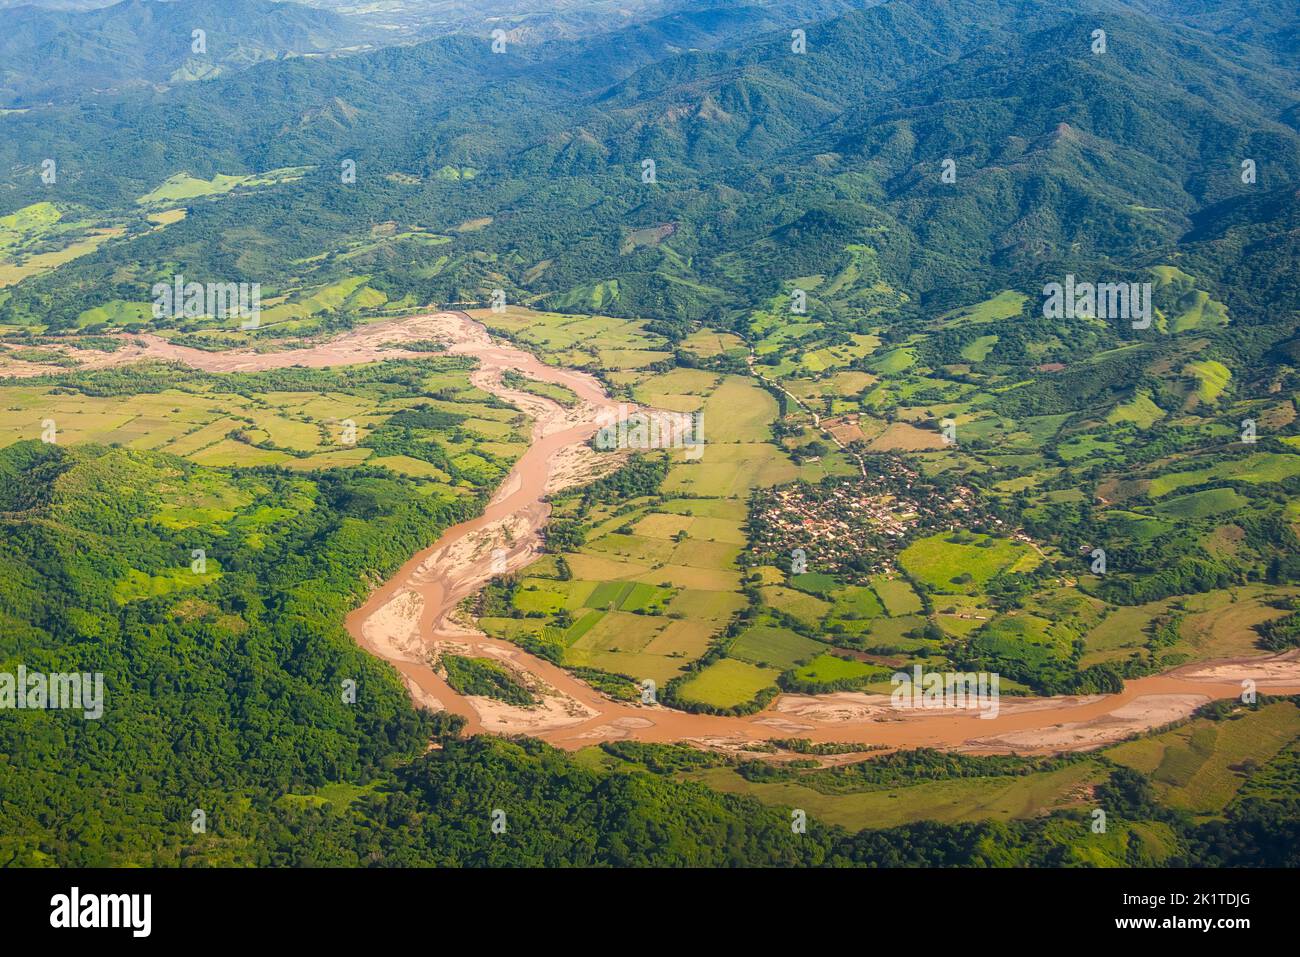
(418, 614)
(969, 331)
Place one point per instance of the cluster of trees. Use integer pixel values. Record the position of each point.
(1280, 633)
(482, 676)
(1186, 575)
(900, 768)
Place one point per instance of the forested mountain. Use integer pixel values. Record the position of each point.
(54, 56)
(1259, 23)
(1061, 153)
(54, 53)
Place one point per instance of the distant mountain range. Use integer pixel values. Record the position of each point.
(770, 163)
(55, 55)
(115, 47)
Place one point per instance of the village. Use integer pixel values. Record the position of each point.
(856, 525)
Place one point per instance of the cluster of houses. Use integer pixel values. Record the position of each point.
(856, 525)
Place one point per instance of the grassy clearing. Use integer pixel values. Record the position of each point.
(1222, 624)
(1203, 504)
(961, 563)
(773, 646)
(1029, 642)
(1140, 411)
(978, 350)
(1257, 468)
(36, 239)
(727, 683)
(826, 669)
(968, 799)
(139, 585)
(1211, 378)
(183, 186)
(1186, 308)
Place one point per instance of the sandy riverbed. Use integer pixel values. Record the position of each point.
(405, 619)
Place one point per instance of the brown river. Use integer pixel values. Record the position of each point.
(415, 613)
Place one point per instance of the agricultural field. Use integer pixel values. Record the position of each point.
(963, 799)
(307, 421)
(39, 238)
(726, 683)
(831, 672)
(1202, 765)
(770, 645)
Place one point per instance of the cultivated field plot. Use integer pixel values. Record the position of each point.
(1202, 765)
(38, 238)
(774, 646)
(598, 343)
(727, 683)
(443, 431)
(706, 344)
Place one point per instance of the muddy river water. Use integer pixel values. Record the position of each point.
(415, 611)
